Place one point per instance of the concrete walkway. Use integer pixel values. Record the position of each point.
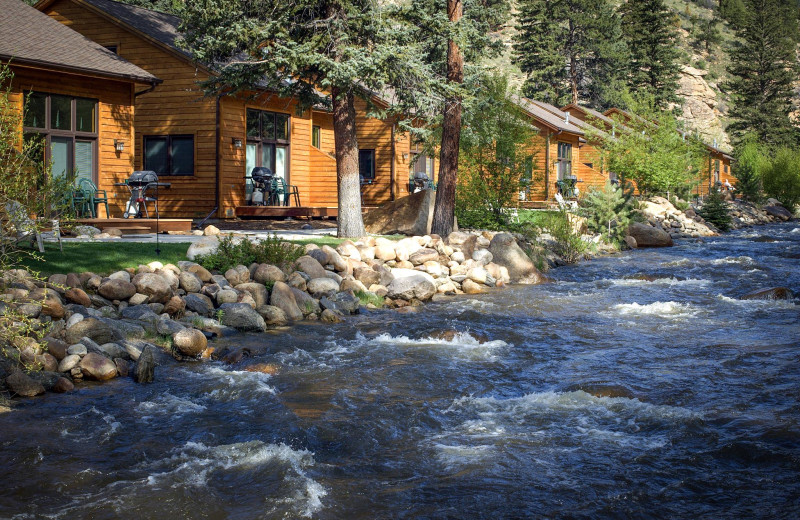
(150, 238)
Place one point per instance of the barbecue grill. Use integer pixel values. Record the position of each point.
(262, 182)
(138, 184)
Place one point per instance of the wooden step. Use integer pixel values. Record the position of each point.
(129, 230)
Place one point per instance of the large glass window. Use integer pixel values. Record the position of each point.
(66, 127)
(268, 136)
(169, 154)
(564, 160)
(366, 164)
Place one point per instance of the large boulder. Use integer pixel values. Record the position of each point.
(507, 253)
(778, 212)
(190, 342)
(310, 266)
(423, 255)
(773, 293)
(322, 287)
(204, 246)
(98, 367)
(23, 386)
(648, 236)
(411, 215)
(190, 282)
(265, 273)
(79, 296)
(155, 286)
(273, 316)
(91, 328)
(242, 317)
(283, 298)
(145, 365)
(409, 284)
(199, 303)
(257, 291)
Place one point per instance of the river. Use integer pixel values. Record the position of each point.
(634, 386)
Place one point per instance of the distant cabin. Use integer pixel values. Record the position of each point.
(206, 147)
(78, 97)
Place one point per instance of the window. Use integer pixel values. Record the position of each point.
(315, 137)
(564, 160)
(527, 174)
(366, 164)
(169, 154)
(66, 127)
(268, 135)
(423, 163)
(726, 169)
(112, 48)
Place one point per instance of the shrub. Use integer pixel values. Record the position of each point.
(270, 250)
(568, 244)
(751, 163)
(715, 210)
(608, 212)
(782, 178)
(367, 298)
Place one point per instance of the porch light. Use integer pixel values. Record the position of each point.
(119, 145)
(237, 143)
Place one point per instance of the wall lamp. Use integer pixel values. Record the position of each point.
(236, 142)
(119, 145)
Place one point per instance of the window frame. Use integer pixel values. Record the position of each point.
(316, 136)
(260, 141)
(563, 159)
(372, 176)
(73, 134)
(169, 138)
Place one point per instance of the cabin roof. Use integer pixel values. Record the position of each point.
(546, 117)
(591, 113)
(32, 38)
(563, 115)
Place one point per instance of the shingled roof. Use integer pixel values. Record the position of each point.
(30, 37)
(547, 117)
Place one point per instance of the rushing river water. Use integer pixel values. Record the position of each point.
(635, 386)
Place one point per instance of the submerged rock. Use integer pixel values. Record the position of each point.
(648, 236)
(144, 372)
(773, 293)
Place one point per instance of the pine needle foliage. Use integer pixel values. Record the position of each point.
(608, 212)
(715, 210)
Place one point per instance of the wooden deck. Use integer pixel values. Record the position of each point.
(133, 226)
(285, 211)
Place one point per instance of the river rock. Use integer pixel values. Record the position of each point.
(507, 253)
(122, 367)
(297, 281)
(175, 307)
(199, 303)
(310, 266)
(305, 302)
(648, 236)
(190, 342)
(79, 296)
(190, 282)
(139, 312)
(266, 273)
(318, 254)
(91, 328)
(242, 317)
(138, 299)
(56, 347)
(423, 255)
(322, 287)
(20, 384)
(330, 316)
(97, 367)
(257, 291)
(144, 371)
(631, 242)
(367, 276)
(53, 308)
(227, 296)
(200, 271)
(273, 316)
(773, 293)
(411, 215)
(46, 362)
(471, 287)
(779, 212)
(68, 363)
(344, 302)
(409, 284)
(203, 247)
(154, 286)
(283, 298)
(483, 256)
(167, 327)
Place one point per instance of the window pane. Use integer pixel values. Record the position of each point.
(60, 151)
(366, 164)
(315, 136)
(282, 127)
(267, 125)
(183, 155)
(85, 115)
(280, 162)
(84, 160)
(252, 123)
(155, 154)
(251, 155)
(266, 157)
(35, 110)
(60, 113)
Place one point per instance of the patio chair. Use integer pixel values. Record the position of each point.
(95, 196)
(81, 203)
(280, 193)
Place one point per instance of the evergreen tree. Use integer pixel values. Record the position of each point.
(764, 67)
(608, 212)
(751, 163)
(650, 34)
(343, 47)
(570, 50)
(715, 210)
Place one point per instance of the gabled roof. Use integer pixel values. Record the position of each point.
(591, 113)
(30, 37)
(584, 126)
(546, 117)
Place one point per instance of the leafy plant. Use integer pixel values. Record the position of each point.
(608, 212)
(715, 210)
(270, 250)
(367, 297)
(568, 244)
(752, 162)
(219, 314)
(782, 179)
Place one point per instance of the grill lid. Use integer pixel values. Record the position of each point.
(142, 177)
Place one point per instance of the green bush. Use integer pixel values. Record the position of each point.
(270, 250)
(752, 161)
(782, 179)
(608, 212)
(367, 298)
(568, 244)
(715, 210)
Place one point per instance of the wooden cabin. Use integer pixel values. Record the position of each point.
(205, 147)
(557, 150)
(76, 95)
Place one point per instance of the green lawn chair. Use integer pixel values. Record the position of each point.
(94, 196)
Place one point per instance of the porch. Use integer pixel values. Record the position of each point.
(136, 226)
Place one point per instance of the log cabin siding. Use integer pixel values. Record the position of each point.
(115, 121)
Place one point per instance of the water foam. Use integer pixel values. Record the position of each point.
(167, 405)
(667, 281)
(230, 385)
(195, 463)
(670, 309)
(462, 344)
(741, 260)
(759, 304)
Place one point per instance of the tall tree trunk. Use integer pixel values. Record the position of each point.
(444, 210)
(573, 64)
(351, 225)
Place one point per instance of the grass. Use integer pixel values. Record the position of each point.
(102, 257)
(334, 241)
(538, 218)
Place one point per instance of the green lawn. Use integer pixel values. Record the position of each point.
(103, 257)
(333, 241)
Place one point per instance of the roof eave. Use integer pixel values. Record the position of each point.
(41, 64)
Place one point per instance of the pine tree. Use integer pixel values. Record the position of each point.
(715, 210)
(751, 162)
(764, 67)
(649, 32)
(608, 212)
(570, 50)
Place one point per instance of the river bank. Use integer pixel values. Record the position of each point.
(130, 321)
